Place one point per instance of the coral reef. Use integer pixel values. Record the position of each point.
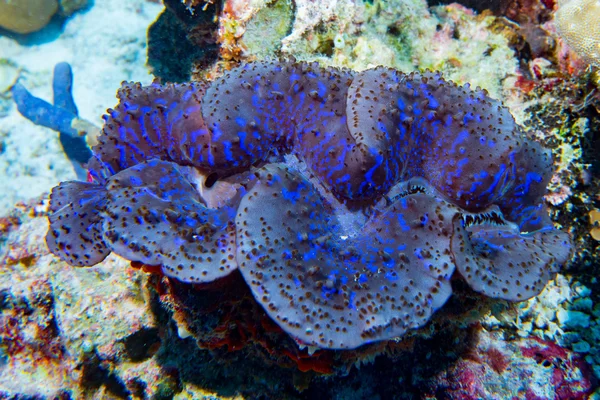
(445, 163)
(53, 319)
(108, 332)
(563, 111)
(577, 23)
(155, 336)
(406, 35)
(61, 117)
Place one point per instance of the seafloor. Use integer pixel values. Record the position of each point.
(113, 331)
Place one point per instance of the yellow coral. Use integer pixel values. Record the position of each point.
(577, 24)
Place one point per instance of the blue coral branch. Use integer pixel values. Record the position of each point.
(40, 112)
(58, 117)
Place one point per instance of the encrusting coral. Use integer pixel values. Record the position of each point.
(345, 199)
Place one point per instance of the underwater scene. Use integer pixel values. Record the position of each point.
(300, 199)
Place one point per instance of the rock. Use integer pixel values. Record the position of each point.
(68, 7)
(573, 319)
(26, 16)
(524, 368)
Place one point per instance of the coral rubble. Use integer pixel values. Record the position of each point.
(275, 272)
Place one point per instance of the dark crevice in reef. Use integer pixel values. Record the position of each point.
(591, 142)
(254, 374)
(140, 345)
(217, 370)
(94, 375)
(179, 40)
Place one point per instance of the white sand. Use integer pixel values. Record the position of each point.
(105, 45)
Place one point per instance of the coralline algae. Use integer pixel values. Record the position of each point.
(345, 199)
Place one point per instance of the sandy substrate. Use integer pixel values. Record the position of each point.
(105, 45)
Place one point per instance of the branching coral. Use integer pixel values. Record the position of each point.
(62, 117)
(345, 199)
